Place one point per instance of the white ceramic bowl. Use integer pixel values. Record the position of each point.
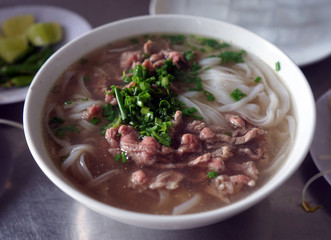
(296, 83)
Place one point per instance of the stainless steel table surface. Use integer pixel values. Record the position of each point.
(32, 207)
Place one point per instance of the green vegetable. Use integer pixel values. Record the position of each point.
(62, 131)
(237, 94)
(117, 157)
(232, 57)
(213, 43)
(210, 97)
(21, 81)
(10, 70)
(175, 39)
(258, 79)
(212, 174)
(95, 121)
(277, 65)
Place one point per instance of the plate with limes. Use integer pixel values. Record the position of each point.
(29, 34)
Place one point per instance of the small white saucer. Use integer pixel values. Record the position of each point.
(73, 25)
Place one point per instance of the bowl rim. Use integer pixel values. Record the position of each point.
(152, 220)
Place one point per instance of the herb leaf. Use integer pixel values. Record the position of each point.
(237, 94)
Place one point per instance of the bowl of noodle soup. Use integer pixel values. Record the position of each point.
(168, 121)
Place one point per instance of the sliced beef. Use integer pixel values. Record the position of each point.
(189, 144)
(214, 161)
(166, 180)
(129, 58)
(195, 127)
(235, 120)
(248, 169)
(139, 180)
(91, 112)
(225, 138)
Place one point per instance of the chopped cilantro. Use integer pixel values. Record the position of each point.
(124, 158)
(68, 102)
(277, 65)
(210, 97)
(213, 43)
(117, 157)
(189, 55)
(83, 61)
(62, 131)
(237, 94)
(228, 133)
(56, 120)
(134, 40)
(95, 120)
(86, 79)
(258, 79)
(232, 57)
(175, 39)
(212, 174)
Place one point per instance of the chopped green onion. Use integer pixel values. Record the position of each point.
(124, 158)
(117, 157)
(95, 121)
(232, 57)
(228, 133)
(258, 79)
(212, 174)
(277, 65)
(237, 94)
(210, 97)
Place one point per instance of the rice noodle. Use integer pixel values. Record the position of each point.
(87, 125)
(100, 179)
(186, 206)
(266, 103)
(119, 49)
(61, 142)
(85, 172)
(66, 79)
(74, 152)
(83, 90)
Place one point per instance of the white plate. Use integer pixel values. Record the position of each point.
(320, 149)
(73, 25)
(301, 31)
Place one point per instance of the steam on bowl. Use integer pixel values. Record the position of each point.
(299, 99)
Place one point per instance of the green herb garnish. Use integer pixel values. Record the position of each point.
(258, 79)
(95, 121)
(213, 43)
(232, 57)
(277, 65)
(212, 174)
(62, 131)
(237, 94)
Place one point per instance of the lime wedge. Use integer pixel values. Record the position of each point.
(16, 26)
(11, 48)
(42, 34)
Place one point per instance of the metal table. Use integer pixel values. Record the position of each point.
(32, 207)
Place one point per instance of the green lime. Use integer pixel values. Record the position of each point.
(11, 48)
(42, 34)
(16, 26)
